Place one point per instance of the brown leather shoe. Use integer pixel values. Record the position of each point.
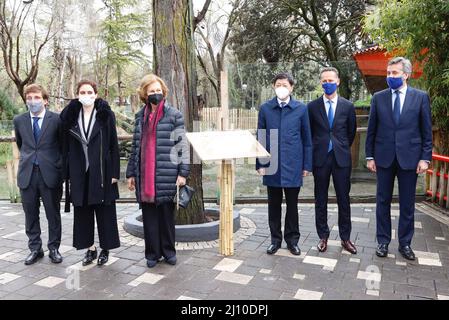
(322, 245)
(349, 246)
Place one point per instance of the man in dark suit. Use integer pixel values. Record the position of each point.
(38, 135)
(398, 144)
(333, 126)
(284, 129)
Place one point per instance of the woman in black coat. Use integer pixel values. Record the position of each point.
(158, 162)
(92, 166)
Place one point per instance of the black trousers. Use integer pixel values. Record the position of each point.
(84, 224)
(159, 230)
(291, 226)
(51, 198)
(341, 177)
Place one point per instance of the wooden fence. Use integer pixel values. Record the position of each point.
(242, 119)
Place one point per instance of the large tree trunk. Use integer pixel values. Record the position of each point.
(174, 61)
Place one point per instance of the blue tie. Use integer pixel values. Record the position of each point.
(283, 104)
(330, 117)
(36, 129)
(36, 134)
(397, 107)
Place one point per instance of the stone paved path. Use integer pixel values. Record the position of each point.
(250, 274)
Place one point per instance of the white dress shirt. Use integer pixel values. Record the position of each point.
(402, 93)
(40, 116)
(334, 104)
(286, 101)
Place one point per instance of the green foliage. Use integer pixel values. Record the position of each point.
(324, 31)
(7, 107)
(410, 26)
(124, 33)
(363, 103)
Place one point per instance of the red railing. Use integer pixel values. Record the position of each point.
(437, 178)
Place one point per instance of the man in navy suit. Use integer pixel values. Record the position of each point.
(398, 144)
(333, 126)
(38, 137)
(284, 130)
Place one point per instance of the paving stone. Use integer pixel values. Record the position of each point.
(302, 294)
(334, 274)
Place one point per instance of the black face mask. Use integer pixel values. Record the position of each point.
(155, 98)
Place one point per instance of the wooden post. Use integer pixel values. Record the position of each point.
(11, 183)
(226, 209)
(223, 120)
(12, 171)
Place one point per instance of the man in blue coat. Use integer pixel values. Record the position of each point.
(398, 144)
(284, 130)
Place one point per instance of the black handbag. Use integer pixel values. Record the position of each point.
(183, 196)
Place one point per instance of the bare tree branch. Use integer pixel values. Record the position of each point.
(201, 14)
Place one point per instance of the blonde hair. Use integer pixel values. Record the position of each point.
(148, 80)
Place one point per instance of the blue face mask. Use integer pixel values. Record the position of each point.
(329, 87)
(395, 83)
(35, 107)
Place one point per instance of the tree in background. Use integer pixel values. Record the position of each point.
(419, 29)
(214, 36)
(175, 62)
(124, 34)
(324, 31)
(21, 45)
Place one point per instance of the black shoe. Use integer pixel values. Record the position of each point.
(151, 263)
(103, 257)
(90, 256)
(55, 256)
(273, 248)
(171, 261)
(382, 250)
(294, 250)
(34, 256)
(407, 252)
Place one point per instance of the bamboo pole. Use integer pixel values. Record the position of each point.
(226, 209)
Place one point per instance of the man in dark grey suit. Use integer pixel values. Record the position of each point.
(38, 136)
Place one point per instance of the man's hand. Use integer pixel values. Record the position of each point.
(261, 171)
(305, 173)
(422, 167)
(181, 181)
(371, 165)
(114, 180)
(131, 183)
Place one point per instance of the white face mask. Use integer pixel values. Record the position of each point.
(282, 93)
(87, 100)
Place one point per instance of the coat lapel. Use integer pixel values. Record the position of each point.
(45, 123)
(29, 128)
(389, 105)
(409, 97)
(339, 109)
(95, 130)
(323, 113)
